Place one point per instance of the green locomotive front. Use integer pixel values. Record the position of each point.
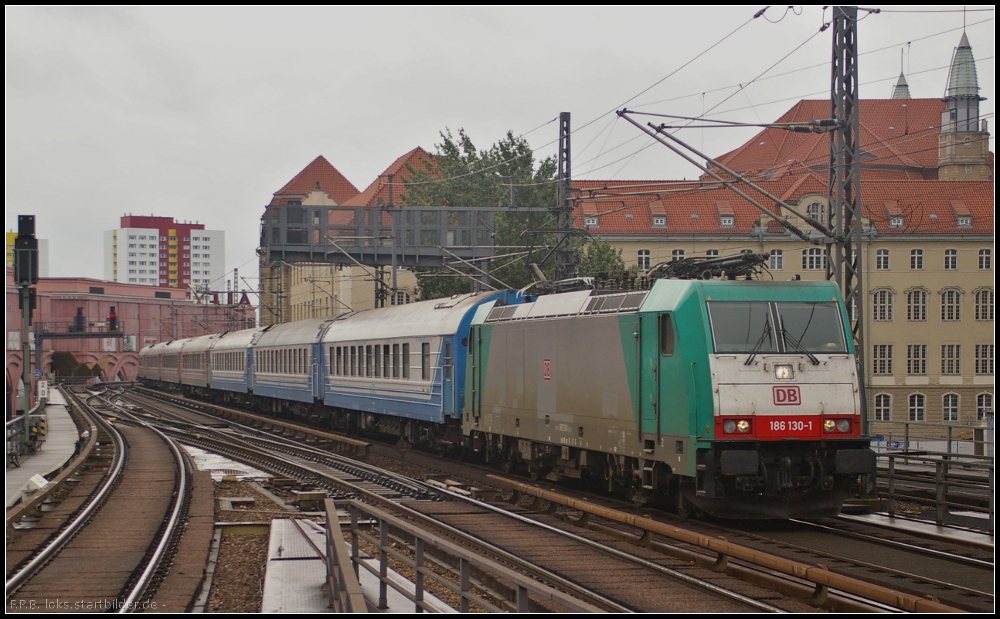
(739, 399)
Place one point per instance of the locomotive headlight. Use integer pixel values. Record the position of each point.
(732, 426)
(836, 426)
(783, 371)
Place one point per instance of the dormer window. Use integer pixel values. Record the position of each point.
(965, 220)
(590, 221)
(816, 211)
(659, 222)
(727, 221)
(895, 222)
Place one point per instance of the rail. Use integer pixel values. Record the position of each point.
(406, 543)
(818, 575)
(19, 577)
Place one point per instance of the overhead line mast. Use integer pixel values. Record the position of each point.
(842, 231)
(844, 257)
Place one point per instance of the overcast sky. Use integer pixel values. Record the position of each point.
(203, 113)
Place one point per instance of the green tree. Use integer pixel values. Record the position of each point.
(600, 257)
(506, 173)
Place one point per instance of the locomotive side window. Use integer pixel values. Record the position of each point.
(666, 335)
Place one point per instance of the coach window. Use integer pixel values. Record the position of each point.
(395, 360)
(378, 361)
(406, 361)
(666, 335)
(447, 360)
(368, 360)
(354, 361)
(425, 361)
(386, 361)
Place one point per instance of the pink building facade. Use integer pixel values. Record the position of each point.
(72, 316)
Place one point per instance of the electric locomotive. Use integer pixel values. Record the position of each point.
(739, 399)
(733, 398)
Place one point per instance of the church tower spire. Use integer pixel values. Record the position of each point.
(963, 145)
(901, 90)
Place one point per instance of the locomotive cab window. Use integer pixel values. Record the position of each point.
(782, 327)
(666, 335)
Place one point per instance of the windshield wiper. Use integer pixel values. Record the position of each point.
(797, 345)
(760, 342)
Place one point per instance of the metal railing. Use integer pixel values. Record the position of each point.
(951, 438)
(430, 558)
(943, 482)
(21, 440)
(345, 589)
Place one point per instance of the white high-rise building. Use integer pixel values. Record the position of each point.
(159, 251)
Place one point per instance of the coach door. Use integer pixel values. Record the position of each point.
(448, 379)
(649, 376)
(474, 370)
(249, 371)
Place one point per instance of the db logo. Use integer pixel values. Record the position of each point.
(786, 396)
(547, 369)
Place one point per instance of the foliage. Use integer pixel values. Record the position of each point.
(461, 175)
(600, 257)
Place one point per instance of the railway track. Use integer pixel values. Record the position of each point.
(104, 548)
(594, 576)
(798, 591)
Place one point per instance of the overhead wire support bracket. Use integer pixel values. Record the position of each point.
(655, 133)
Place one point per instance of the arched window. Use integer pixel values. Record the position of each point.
(883, 407)
(951, 305)
(882, 305)
(949, 407)
(916, 305)
(984, 304)
(777, 260)
(643, 259)
(917, 406)
(984, 405)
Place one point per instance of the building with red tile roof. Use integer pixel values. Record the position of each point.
(927, 199)
(298, 291)
(319, 174)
